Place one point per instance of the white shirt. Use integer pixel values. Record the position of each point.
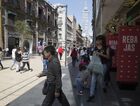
(82, 52)
(13, 53)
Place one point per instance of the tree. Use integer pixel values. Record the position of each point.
(23, 29)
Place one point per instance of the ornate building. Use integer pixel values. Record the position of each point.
(37, 14)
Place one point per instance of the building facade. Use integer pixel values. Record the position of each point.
(74, 29)
(79, 37)
(69, 33)
(62, 23)
(38, 15)
(108, 15)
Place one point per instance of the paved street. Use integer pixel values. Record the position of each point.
(24, 89)
(113, 97)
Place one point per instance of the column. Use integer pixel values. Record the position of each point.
(36, 28)
(5, 29)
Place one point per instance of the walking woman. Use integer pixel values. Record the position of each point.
(102, 51)
(18, 58)
(25, 59)
(1, 55)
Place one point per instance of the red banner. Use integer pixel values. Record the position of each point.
(112, 40)
(128, 54)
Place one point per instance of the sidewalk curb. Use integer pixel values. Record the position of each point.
(67, 86)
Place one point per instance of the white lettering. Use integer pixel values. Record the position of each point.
(124, 39)
(130, 39)
(129, 47)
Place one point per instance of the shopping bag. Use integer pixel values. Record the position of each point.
(95, 65)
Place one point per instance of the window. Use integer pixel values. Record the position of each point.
(29, 8)
(48, 18)
(11, 19)
(60, 36)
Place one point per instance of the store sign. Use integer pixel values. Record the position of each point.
(112, 41)
(130, 43)
(128, 54)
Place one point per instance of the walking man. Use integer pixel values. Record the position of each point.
(53, 84)
(13, 57)
(60, 52)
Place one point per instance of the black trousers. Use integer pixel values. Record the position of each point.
(50, 97)
(28, 65)
(60, 54)
(1, 64)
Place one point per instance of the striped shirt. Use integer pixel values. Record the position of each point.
(25, 57)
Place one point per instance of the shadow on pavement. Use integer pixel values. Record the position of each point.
(113, 97)
(33, 97)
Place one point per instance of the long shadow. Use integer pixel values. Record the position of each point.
(4, 68)
(33, 97)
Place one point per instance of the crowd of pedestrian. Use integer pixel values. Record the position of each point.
(20, 57)
(94, 64)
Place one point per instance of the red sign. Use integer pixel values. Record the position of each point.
(128, 54)
(112, 40)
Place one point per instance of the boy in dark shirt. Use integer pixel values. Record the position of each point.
(53, 84)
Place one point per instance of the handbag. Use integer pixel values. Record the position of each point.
(47, 87)
(95, 65)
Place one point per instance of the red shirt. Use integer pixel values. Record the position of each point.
(60, 50)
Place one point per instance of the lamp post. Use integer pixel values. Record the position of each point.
(65, 38)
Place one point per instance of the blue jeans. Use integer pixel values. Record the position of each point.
(45, 62)
(74, 61)
(93, 84)
(79, 84)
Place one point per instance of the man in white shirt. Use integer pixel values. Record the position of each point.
(13, 57)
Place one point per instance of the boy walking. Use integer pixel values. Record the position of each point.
(53, 84)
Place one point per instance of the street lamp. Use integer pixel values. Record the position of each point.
(65, 42)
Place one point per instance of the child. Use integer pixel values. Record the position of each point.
(25, 59)
(81, 78)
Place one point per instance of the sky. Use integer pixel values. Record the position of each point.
(75, 8)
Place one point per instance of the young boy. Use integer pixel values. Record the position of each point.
(53, 84)
(82, 77)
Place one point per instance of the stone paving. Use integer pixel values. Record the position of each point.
(25, 89)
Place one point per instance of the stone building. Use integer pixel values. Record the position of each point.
(108, 15)
(39, 15)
